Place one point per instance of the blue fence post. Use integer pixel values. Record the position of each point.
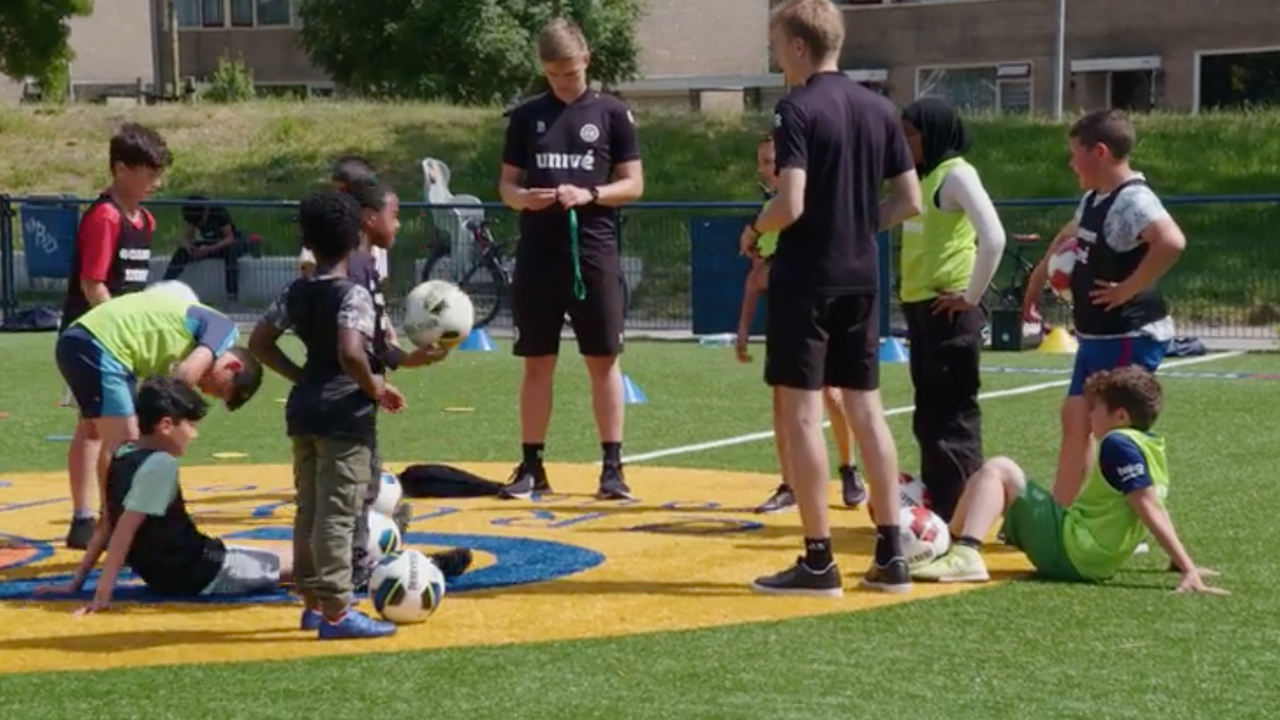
(886, 281)
(7, 274)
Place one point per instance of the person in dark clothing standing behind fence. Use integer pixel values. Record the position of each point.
(950, 252)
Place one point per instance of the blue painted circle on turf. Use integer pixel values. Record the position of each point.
(518, 561)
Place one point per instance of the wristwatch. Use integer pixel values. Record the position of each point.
(595, 194)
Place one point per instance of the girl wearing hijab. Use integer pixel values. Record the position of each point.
(950, 252)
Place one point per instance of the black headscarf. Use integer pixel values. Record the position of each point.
(942, 133)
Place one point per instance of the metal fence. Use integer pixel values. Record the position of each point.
(680, 259)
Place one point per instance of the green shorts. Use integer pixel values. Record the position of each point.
(1034, 524)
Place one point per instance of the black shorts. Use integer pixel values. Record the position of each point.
(541, 296)
(816, 341)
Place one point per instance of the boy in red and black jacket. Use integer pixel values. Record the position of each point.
(112, 257)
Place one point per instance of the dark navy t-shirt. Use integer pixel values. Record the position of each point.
(580, 144)
(848, 140)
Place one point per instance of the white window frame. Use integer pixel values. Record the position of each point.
(294, 21)
(1029, 77)
(1201, 54)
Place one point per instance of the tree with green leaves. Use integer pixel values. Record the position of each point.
(35, 41)
(465, 51)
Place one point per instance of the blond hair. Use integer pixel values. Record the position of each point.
(818, 23)
(560, 40)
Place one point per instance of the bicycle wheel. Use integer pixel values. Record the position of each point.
(486, 283)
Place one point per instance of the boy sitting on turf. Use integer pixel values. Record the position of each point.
(1121, 500)
(147, 522)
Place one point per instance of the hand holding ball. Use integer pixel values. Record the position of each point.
(1061, 264)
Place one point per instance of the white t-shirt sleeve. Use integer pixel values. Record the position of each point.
(962, 190)
(380, 262)
(1135, 209)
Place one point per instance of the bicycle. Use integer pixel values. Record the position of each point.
(487, 282)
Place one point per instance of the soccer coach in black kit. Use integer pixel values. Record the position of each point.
(571, 158)
(836, 142)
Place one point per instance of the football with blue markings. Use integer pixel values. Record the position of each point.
(407, 587)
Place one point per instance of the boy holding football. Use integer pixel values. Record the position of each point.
(1092, 537)
(1126, 241)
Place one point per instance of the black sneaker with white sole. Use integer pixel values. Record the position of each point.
(452, 563)
(852, 489)
(525, 481)
(613, 484)
(780, 500)
(800, 579)
(81, 533)
(893, 577)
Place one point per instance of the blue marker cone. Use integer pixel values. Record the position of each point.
(478, 341)
(893, 350)
(631, 392)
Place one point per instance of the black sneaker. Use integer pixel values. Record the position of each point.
(81, 533)
(404, 511)
(524, 482)
(891, 578)
(613, 485)
(800, 579)
(852, 488)
(780, 500)
(452, 563)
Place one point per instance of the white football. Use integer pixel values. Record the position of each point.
(406, 587)
(176, 288)
(925, 537)
(1061, 264)
(912, 493)
(437, 312)
(383, 539)
(388, 495)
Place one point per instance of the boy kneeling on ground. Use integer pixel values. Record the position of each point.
(150, 529)
(1089, 540)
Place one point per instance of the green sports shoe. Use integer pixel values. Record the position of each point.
(961, 564)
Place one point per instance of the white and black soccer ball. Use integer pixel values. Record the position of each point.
(406, 587)
(437, 312)
(388, 492)
(383, 539)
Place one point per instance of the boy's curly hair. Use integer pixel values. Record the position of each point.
(136, 145)
(330, 222)
(1131, 388)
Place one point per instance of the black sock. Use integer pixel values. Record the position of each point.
(888, 544)
(817, 553)
(532, 454)
(612, 453)
(967, 541)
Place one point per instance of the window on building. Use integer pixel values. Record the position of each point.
(274, 12)
(242, 13)
(1238, 80)
(200, 13)
(1003, 88)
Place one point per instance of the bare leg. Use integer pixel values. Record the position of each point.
(840, 427)
(606, 396)
(807, 458)
(987, 495)
(1073, 456)
(113, 432)
(82, 466)
(780, 438)
(536, 398)
(865, 413)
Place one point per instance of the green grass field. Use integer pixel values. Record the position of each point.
(1127, 649)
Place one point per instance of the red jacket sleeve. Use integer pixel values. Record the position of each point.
(96, 241)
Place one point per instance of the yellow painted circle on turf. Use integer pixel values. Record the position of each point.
(680, 556)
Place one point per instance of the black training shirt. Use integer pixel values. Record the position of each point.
(848, 140)
(575, 144)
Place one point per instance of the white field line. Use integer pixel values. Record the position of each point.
(1007, 392)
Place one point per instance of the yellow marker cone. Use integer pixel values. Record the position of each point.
(1058, 342)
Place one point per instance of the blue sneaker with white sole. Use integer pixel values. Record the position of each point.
(355, 624)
